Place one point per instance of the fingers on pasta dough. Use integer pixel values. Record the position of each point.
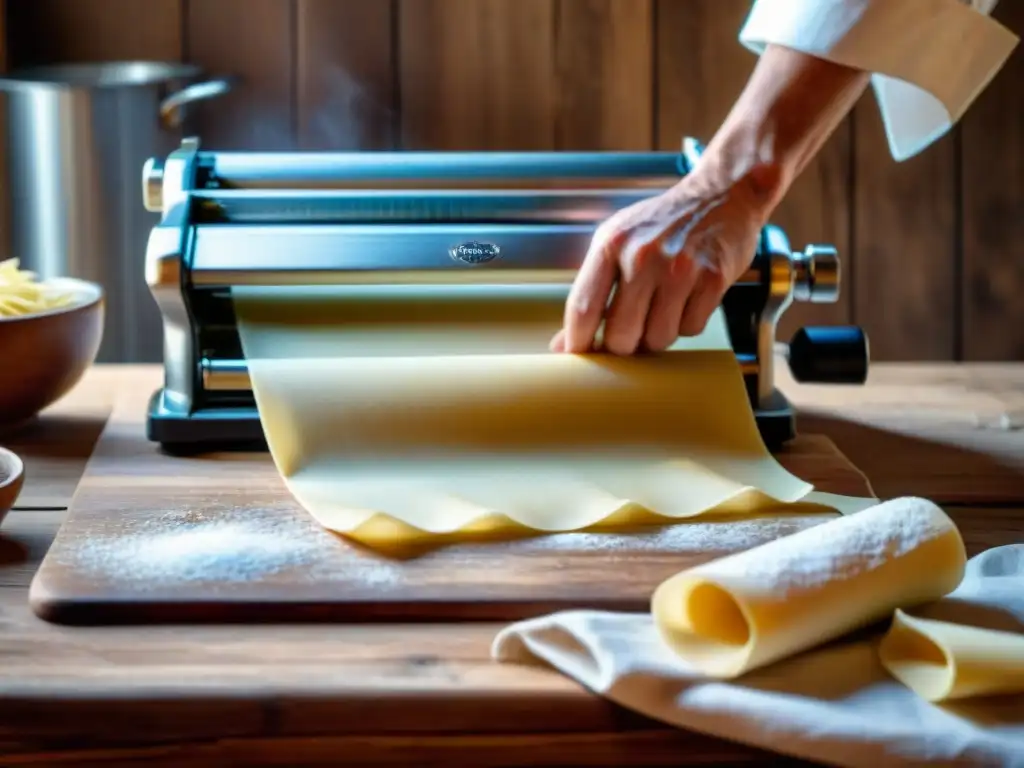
(941, 661)
(744, 611)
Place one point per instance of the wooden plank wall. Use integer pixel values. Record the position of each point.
(932, 248)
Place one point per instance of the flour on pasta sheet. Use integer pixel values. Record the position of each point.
(817, 558)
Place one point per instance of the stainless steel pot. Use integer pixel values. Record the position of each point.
(77, 138)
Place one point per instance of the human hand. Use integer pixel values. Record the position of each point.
(669, 259)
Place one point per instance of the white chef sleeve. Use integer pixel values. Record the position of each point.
(929, 59)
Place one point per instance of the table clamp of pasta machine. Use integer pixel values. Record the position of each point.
(230, 219)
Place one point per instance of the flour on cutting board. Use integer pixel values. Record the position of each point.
(221, 549)
(222, 544)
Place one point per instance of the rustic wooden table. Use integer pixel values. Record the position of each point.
(366, 695)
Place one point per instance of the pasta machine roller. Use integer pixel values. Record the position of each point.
(525, 218)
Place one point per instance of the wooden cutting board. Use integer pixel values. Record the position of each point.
(154, 538)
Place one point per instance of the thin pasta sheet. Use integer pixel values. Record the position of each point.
(949, 660)
(402, 413)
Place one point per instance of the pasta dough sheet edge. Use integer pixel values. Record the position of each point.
(943, 661)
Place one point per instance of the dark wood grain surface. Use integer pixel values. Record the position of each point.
(253, 41)
(477, 75)
(346, 86)
(426, 693)
(950, 433)
(905, 230)
(604, 64)
(526, 74)
(117, 30)
(992, 170)
(57, 445)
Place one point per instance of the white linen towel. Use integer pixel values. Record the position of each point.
(835, 704)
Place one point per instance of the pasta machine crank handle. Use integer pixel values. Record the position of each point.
(830, 354)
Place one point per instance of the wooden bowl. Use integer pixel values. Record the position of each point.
(12, 476)
(43, 355)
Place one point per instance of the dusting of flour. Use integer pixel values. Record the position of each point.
(190, 549)
(683, 537)
(841, 551)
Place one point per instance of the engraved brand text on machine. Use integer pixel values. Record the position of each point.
(429, 219)
(475, 253)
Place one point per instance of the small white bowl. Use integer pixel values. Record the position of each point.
(12, 477)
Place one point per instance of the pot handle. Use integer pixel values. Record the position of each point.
(171, 107)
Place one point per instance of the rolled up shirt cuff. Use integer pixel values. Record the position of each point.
(929, 59)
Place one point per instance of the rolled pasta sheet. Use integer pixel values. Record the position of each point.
(941, 660)
(747, 610)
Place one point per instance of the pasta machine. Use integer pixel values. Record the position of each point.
(293, 218)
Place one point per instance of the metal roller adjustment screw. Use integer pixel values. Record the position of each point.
(816, 274)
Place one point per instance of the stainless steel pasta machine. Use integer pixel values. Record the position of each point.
(232, 218)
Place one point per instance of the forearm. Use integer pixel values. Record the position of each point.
(790, 106)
